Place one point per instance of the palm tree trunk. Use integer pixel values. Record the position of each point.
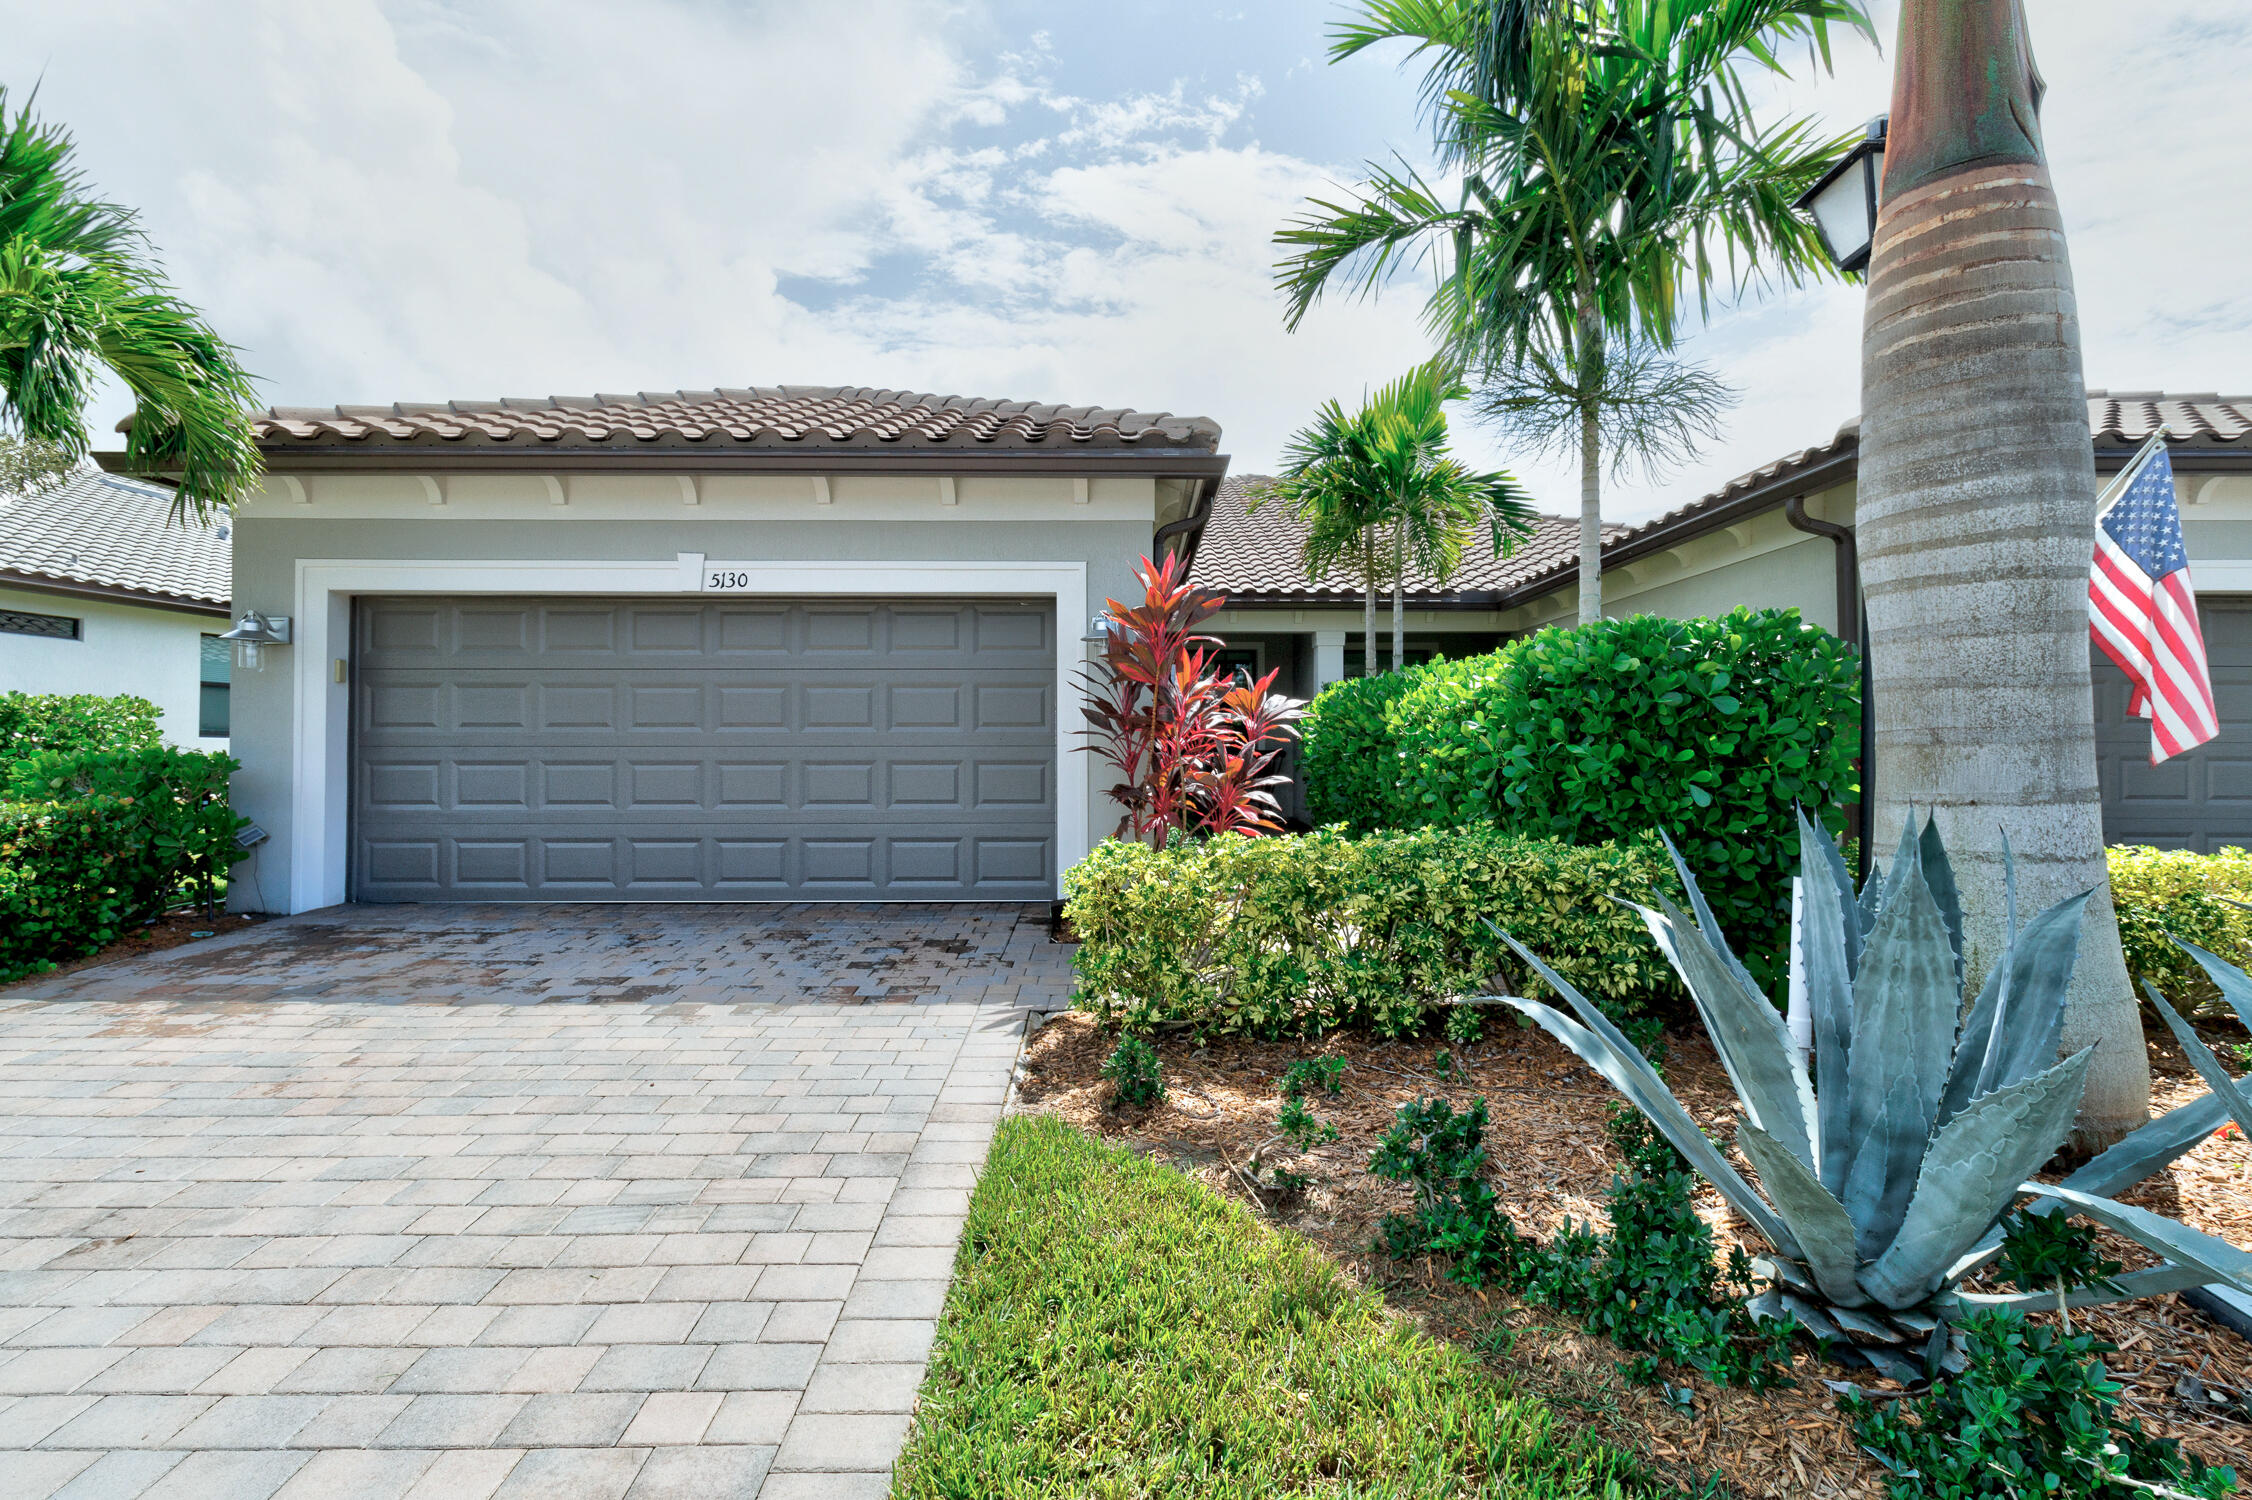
(1399, 592)
(1976, 518)
(1590, 377)
(1368, 602)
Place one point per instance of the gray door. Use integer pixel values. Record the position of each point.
(2201, 800)
(703, 750)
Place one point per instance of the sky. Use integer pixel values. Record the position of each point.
(381, 200)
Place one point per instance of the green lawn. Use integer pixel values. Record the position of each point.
(1118, 1330)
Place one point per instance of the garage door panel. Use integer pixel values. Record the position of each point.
(2200, 800)
(596, 749)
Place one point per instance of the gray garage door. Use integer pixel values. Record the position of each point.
(693, 750)
(2201, 800)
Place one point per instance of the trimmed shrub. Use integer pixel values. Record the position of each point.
(1708, 729)
(33, 722)
(1347, 756)
(1448, 767)
(2162, 894)
(1302, 934)
(94, 841)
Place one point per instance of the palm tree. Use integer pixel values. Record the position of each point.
(80, 294)
(1976, 514)
(1609, 157)
(1384, 497)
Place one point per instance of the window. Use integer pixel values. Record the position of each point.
(53, 627)
(212, 707)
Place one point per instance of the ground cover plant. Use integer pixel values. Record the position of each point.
(1117, 1328)
(1551, 1164)
(1303, 934)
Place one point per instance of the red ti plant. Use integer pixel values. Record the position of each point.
(1194, 748)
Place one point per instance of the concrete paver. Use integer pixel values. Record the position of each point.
(268, 1230)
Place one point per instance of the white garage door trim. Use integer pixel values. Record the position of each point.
(320, 725)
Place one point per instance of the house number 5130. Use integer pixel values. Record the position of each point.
(723, 578)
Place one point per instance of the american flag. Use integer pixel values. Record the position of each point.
(2143, 612)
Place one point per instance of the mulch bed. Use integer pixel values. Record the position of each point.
(1550, 1160)
(173, 930)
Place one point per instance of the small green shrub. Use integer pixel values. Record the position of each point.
(2052, 1252)
(35, 722)
(95, 841)
(1302, 934)
(2162, 894)
(1133, 1071)
(1442, 1154)
(1346, 755)
(1301, 1126)
(1324, 1073)
(1465, 1027)
(2032, 1414)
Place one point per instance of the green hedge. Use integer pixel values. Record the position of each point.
(32, 722)
(2162, 894)
(93, 842)
(1301, 934)
(1708, 729)
(1346, 752)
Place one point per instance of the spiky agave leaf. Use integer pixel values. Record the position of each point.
(2201, 1058)
(2235, 985)
(1970, 1175)
(1904, 1006)
(1939, 874)
(1707, 924)
(1746, 1030)
(1829, 950)
(2012, 1029)
(1818, 1220)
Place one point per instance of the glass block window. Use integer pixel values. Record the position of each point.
(53, 627)
(213, 706)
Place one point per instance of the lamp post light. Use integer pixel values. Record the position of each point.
(1844, 203)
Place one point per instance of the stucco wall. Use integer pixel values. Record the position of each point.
(876, 520)
(122, 648)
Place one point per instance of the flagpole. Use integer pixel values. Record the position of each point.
(2155, 443)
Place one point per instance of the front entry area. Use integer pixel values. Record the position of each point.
(694, 749)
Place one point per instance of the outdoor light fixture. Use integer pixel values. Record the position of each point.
(252, 634)
(1844, 202)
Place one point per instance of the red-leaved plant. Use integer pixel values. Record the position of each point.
(1195, 748)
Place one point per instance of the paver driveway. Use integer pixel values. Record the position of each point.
(341, 1248)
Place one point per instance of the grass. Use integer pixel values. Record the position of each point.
(1117, 1330)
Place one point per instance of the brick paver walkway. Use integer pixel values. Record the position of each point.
(349, 1249)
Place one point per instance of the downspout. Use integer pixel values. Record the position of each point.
(1853, 629)
(1190, 525)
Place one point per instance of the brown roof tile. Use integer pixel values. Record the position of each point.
(759, 417)
(1255, 559)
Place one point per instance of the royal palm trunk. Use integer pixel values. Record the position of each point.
(1591, 465)
(1399, 593)
(1976, 516)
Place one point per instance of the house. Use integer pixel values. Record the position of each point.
(783, 643)
(1782, 536)
(103, 591)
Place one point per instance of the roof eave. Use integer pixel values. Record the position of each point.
(79, 588)
(1168, 461)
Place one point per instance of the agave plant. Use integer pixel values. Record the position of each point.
(1887, 1168)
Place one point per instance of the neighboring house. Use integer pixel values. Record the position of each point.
(102, 591)
(1765, 539)
(790, 643)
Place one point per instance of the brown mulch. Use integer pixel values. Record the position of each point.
(173, 930)
(1550, 1160)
